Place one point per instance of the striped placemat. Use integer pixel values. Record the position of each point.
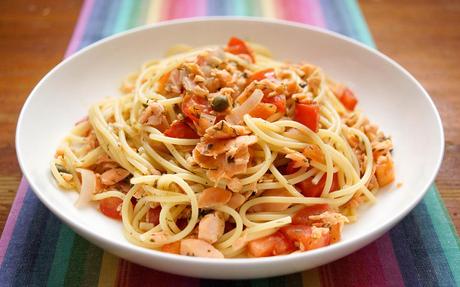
(36, 249)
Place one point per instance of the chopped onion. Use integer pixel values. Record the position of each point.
(88, 187)
(236, 116)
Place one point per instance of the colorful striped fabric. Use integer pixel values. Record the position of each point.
(36, 249)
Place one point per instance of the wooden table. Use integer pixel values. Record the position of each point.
(423, 36)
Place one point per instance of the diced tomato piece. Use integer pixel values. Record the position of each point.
(262, 74)
(302, 216)
(173, 247)
(308, 189)
(163, 80)
(322, 241)
(237, 46)
(290, 169)
(279, 101)
(298, 233)
(111, 207)
(270, 245)
(181, 130)
(263, 111)
(348, 99)
(308, 115)
(193, 106)
(302, 235)
(335, 233)
(153, 215)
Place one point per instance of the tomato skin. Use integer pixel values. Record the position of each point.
(262, 111)
(274, 244)
(193, 106)
(109, 206)
(348, 99)
(302, 216)
(279, 101)
(298, 233)
(302, 235)
(153, 215)
(262, 74)
(237, 46)
(180, 129)
(335, 233)
(308, 189)
(308, 115)
(173, 247)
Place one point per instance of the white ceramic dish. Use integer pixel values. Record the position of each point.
(388, 94)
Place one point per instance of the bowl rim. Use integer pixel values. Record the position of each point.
(102, 241)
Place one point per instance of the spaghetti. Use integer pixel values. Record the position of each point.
(225, 152)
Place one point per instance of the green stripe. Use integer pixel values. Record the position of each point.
(124, 15)
(359, 23)
(92, 266)
(445, 231)
(47, 249)
(139, 13)
(239, 8)
(61, 257)
(75, 272)
(254, 7)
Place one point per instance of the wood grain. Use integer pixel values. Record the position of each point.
(423, 36)
(33, 38)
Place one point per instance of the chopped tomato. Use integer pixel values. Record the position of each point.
(290, 169)
(193, 106)
(163, 80)
(238, 47)
(111, 207)
(181, 130)
(173, 247)
(348, 99)
(269, 106)
(303, 215)
(308, 115)
(308, 189)
(270, 245)
(153, 215)
(279, 101)
(323, 240)
(301, 235)
(335, 233)
(263, 111)
(262, 74)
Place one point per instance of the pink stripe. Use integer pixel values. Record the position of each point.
(378, 261)
(389, 262)
(77, 35)
(303, 11)
(176, 9)
(12, 217)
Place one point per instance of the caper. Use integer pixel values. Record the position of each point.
(219, 103)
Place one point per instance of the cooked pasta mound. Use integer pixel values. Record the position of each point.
(223, 152)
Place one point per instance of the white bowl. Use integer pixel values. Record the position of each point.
(387, 93)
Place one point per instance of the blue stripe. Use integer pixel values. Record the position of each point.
(414, 262)
(97, 21)
(21, 249)
(46, 251)
(218, 8)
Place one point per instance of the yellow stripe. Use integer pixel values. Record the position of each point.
(310, 278)
(154, 12)
(109, 270)
(268, 9)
